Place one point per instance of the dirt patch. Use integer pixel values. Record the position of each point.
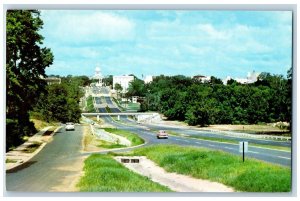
(176, 182)
(69, 182)
(90, 143)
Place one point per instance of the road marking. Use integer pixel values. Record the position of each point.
(229, 148)
(211, 145)
(254, 152)
(284, 157)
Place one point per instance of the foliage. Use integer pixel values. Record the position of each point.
(108, 81)
(136, 88)
(26, 61)
(212, 102)
(61, 101)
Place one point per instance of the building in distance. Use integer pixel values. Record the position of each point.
(53, 80)
(251, 78)
(148, 79)
(123, 80)
(202, 78)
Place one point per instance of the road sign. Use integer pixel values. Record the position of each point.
(245, 147)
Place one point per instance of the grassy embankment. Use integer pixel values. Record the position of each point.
(90, 104)
(133, 138)
(250, 176)
(92, 143)
(104, 174)
(229, 141)
(90, 140)
(40, 124)
(119, 105)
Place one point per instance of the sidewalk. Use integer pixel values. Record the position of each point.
(28, 149)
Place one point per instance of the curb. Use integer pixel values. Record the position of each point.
(31, 155)
(116, 149)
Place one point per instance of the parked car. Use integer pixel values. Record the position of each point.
(70, 126)
(162, 134)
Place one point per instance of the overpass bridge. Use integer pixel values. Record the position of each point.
(140, 116)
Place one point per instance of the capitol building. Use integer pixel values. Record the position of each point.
(98, 76)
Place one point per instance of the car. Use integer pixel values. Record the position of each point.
(162, 134)
(70, 126)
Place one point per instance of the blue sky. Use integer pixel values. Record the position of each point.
(218, 43)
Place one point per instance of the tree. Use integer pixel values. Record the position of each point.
(58, 104)
(25, 67)
(136, 88)
(108, 81)
(118, 88)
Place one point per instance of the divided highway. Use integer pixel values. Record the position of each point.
(144, 130)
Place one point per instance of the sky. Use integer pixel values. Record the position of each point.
(170, 42)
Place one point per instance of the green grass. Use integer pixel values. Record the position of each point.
(90, 105)
(104, 174)
(218, 166)
(109, 145)
(133, 138)
(10, 160)
(231, 141)
(119, 105)
(133, 106)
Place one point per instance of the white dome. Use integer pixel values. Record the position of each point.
(97, 69)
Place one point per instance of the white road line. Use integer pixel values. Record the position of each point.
(229, 148)
(254, 152)
(270, 155)
(284, 157)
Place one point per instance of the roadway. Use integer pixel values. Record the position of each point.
(265, 154)
(48, 169)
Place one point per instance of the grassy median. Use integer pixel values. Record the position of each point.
(104, 174)
(133, 138)
(250, 176)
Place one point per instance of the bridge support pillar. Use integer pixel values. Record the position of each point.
(98, 118)
(118, 117)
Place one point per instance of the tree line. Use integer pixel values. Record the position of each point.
(27, 93)
(182, 98)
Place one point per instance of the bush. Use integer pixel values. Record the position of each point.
(13, 133)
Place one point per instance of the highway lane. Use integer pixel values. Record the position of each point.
(47, 170)
(268, 155)
(193, 132)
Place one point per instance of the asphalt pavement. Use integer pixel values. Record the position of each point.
(265, 154)
(46, 170)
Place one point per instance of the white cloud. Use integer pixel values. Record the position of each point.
(88, 28)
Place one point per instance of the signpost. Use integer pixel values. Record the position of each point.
(243, 148)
